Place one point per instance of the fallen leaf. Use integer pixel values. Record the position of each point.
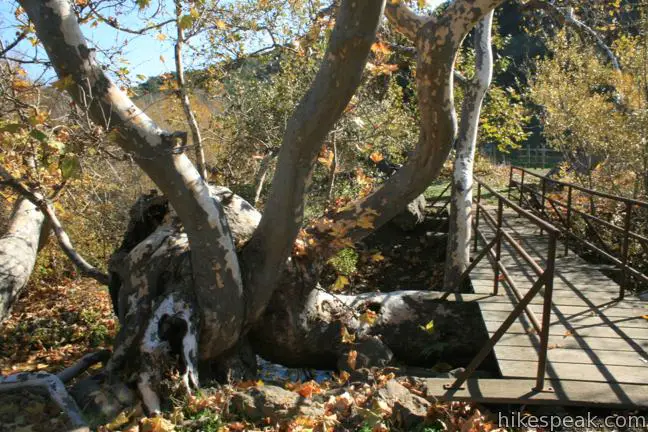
(369, 317)
(428, 328)
(308, 389)
(352, 358)
(340, 283)
(377, 257)
(156, 424)
(346, 336)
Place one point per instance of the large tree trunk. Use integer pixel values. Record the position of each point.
(18, 250)
(187, 295)
(303, 326)
(458, 252)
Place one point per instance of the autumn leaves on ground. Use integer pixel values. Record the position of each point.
(55, 323)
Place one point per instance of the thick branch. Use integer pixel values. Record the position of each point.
(403, 18)
(215, 267)
(63, 239)
(458, 246)
(437, 43)
(317, 112)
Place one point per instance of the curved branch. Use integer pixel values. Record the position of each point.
(114, 24)
(5, 49)
(568, 17)
(63, 239)
(404, 19)
(437, 43)
(216, 272)
(338, 78)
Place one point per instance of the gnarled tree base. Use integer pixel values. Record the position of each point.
(303, 326)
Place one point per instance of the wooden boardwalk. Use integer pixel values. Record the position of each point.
(598, 347)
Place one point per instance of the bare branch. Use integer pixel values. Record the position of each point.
(184, 96)
(4, 49)
(115, 24)
(568, 17)
(64, 241)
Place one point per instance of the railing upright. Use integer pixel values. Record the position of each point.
(521, 188)
(625, 249)
(568, 218)
(498, 245)
(475, 236)
(510, 185)
(548, 277)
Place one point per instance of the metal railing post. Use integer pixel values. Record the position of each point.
(625, 250)
(568, 219)
(548, 277)
(498, 245)
(476, 236)
(521, 187)
(543, 187)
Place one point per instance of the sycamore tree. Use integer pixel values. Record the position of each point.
(208, 279)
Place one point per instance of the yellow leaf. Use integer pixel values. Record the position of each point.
(346, 336)
(376, 157)
(340, 283)
(119, 421)
(161, 37)
(369, 317)
(366, 221)
(421, 3)
(156, 424)
(377, 257)
(162, 59)
(64, 83)
(428, 328)
(221, 24)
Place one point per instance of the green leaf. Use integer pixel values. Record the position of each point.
(186, 21)
(70, 166)
(40, 136)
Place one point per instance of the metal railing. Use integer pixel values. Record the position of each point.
(535, 196)
(493, 249)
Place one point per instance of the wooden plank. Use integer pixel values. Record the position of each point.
(575, 356)
(558, 329)
(611, 344)
(562, 299)
(612, 313)
(520, 391)
(579, 372)
(585, 319)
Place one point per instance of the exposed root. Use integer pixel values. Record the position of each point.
(82, 365)
(54, 387)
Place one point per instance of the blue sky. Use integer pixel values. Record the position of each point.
(141, 54)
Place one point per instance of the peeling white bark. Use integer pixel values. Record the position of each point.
(458, 249)
(18, 251)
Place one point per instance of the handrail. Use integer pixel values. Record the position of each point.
(545, 278)
(620, 260)
(584, 189)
